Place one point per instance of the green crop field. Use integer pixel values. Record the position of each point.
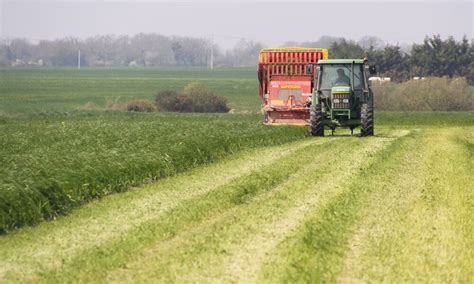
(109, 196)
(54, 90)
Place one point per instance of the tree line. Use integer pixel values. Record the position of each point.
(138, 50)
(433, 57)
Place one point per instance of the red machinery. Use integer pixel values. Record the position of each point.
(286, 82)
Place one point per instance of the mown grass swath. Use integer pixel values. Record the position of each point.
(53, 164)
(403, 219)
(395, 209)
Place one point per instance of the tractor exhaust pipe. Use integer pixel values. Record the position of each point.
(352, 79)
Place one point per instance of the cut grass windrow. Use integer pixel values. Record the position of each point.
(317, 249)
(233, 245)
(255, 188)
(394, 223)
(237, 192)
(88, 228)
(421, 227)
(396, 207)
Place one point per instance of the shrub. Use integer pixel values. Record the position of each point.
(430, 94)
(196, 97)
(139, 105)
(167, 101)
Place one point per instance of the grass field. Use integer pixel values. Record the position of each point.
(234, 201)
(60, 90)
(53, 164)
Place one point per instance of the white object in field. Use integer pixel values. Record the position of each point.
(380, 79)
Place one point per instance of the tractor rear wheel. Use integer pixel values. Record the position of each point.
(316, 120)
(367, 120)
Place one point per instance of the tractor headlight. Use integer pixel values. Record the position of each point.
(336, 101)
(346, 101)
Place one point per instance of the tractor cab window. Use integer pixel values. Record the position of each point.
(333, 75)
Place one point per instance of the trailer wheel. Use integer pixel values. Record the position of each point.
(265, 118)
(367, 120)
(316, 120)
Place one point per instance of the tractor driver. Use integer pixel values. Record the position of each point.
(342, 79)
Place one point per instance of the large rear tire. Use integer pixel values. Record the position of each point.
(366, 120)
(316, 121)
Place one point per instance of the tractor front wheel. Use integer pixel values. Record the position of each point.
(316, 120)
(366, 120)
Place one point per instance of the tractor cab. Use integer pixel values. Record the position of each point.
(342, 97)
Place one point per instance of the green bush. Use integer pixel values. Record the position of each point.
(139, 105)
(167, 101)
(430, 94)
(196, 97)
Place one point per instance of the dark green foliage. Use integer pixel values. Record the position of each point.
(434, 57)
(391, 62)
(196, 97)
(437, 57)
(346, 49)
(52, 164)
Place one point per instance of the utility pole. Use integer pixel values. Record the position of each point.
(79, 59)
(211, 55)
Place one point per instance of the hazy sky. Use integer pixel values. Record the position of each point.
(271, 22)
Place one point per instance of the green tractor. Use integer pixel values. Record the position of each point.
(343, 97)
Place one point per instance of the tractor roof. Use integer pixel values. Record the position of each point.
(341, 61)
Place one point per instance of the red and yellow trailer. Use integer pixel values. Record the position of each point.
(286, 82)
